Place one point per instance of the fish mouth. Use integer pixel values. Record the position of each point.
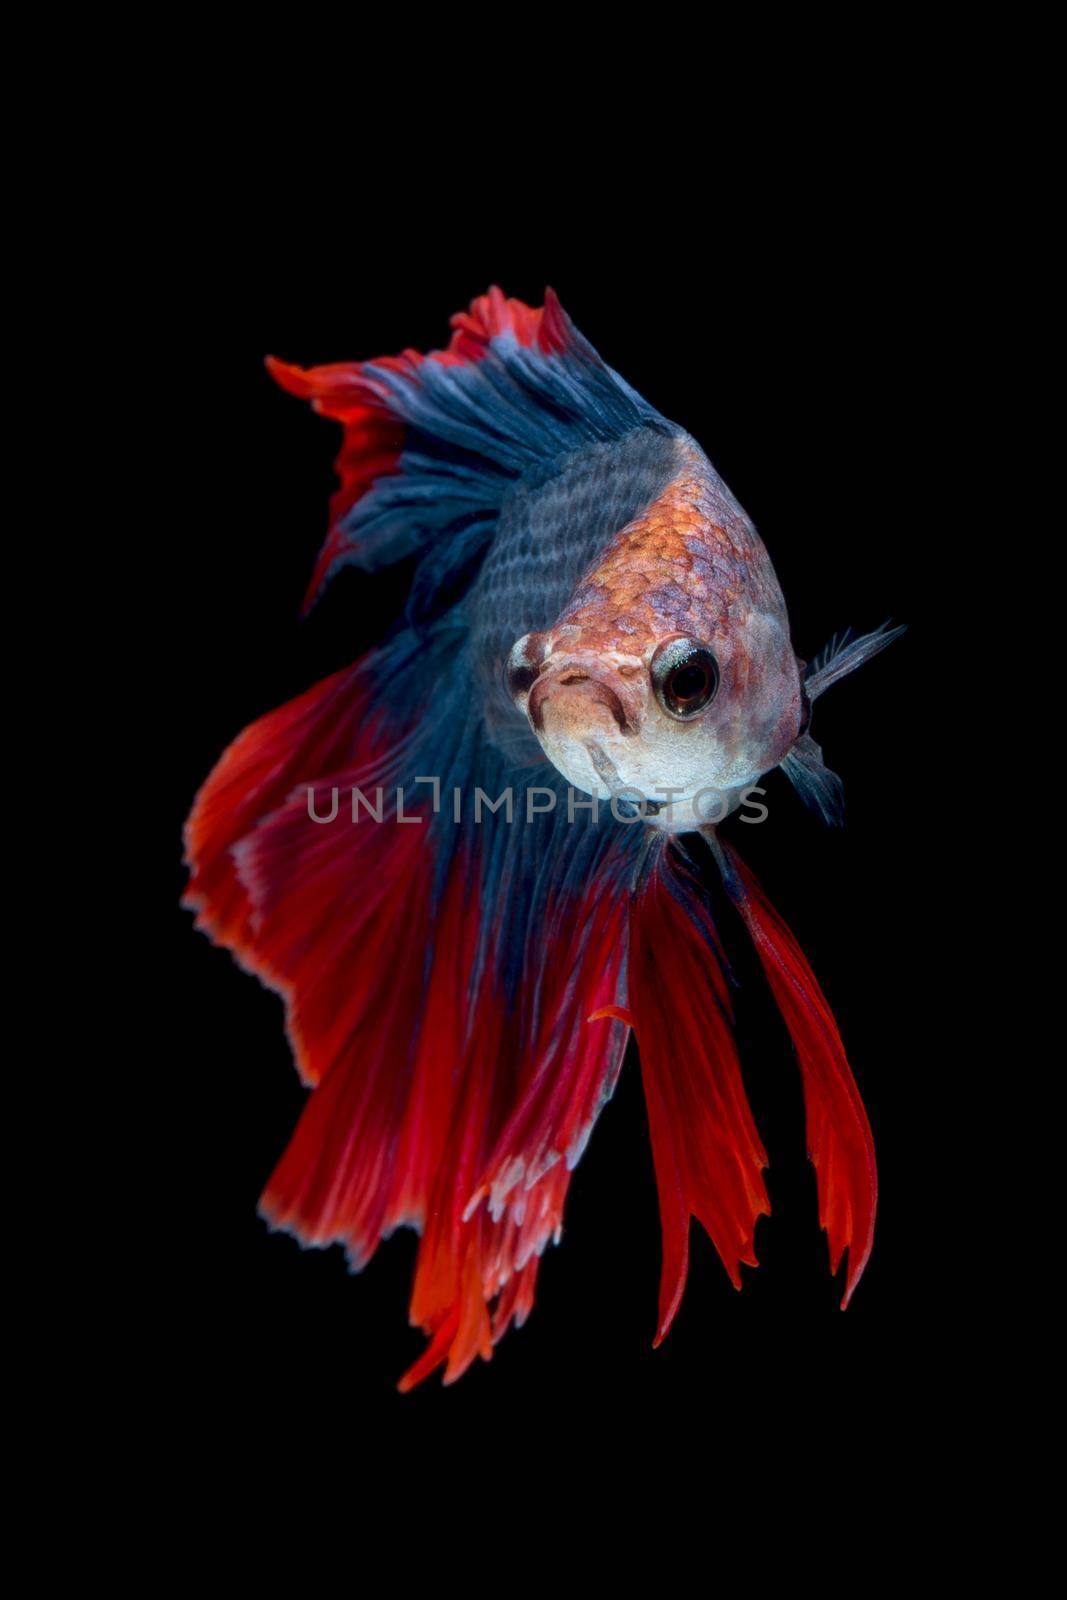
(591, 689)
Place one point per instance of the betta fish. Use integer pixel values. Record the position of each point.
(471, 862)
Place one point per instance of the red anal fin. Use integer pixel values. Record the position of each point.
(708, 1157)
(534, 1075)
(571, 1054)
(839, 1135)
(533, 1079)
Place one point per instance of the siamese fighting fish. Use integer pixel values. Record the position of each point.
(476, 860)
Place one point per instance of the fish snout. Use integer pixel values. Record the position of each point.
(577, 690)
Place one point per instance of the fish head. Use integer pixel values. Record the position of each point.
(678, 724)
(669, 680)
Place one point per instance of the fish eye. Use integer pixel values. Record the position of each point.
(685, 676)
(523, 664)
(519, 678)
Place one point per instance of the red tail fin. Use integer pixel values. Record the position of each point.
(839, 1134)
(423, 1081)
(708, 1156)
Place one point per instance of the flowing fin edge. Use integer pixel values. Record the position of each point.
(839, 1139)
(707, 1153)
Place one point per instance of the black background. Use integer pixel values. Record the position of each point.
(799, 338)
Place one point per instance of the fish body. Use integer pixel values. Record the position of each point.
(595, 665)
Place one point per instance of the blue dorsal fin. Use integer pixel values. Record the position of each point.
(433, 443)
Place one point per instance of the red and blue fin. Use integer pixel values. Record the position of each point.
(446, 1097)
(839, 1134)
(708, 1157)
(432, 443)
(439, 978)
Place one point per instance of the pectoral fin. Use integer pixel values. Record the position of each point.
(813, 781)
